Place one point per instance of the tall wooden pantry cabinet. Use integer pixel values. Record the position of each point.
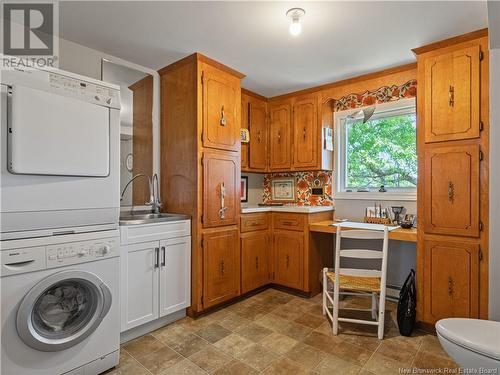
(452, 119)
(200, 170)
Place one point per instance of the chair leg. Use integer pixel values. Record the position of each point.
(374, 305)
(381, 317)
(335, 320)
(325, 290)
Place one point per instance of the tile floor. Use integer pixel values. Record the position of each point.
(277, 333)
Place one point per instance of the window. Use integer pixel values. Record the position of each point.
(379, 152)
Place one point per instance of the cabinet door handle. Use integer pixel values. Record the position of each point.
(258, 136)
(451, 96)
(287, 261)
(304, 133)
(257, 263)
(222, 211)
(222, 267)
(450, 286)
(222, 117)
(279, 136)
(157, 257)
(164, 256)
(451, 191)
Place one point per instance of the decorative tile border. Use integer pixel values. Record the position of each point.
(304, 183)
(382, 95)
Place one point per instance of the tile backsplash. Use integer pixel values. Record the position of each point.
(303, 187)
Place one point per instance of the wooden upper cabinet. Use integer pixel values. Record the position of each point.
(280, 140)
(289, 259)
(258, 135)
(244, 125)
(221, 188)
(452, 95)
(305, 133)
(451, 191)
(221, 113)
(451, 280)
(221, 267)
(255, 256)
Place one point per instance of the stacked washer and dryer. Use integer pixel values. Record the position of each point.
(59, 223)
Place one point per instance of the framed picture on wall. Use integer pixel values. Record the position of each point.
(283, 189)
(244, 189)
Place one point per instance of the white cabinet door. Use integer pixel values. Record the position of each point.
(175, 275)
(139, 284)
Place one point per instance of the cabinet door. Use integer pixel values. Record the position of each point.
(279, 128)
(255, 254)
(221, 267)
(305, 133)
(175, 275)
(139, 284)
(221, 189)
(288, 261)
(245, 120)
(452, 190)
(452, 90)
(258, 136)
(221, 113)
(451, 280)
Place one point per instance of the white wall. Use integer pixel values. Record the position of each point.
(494, 248)
(255, 188)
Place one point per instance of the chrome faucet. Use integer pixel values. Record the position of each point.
(156, 195)
(151, 192)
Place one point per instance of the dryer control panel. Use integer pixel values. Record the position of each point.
(80, 252)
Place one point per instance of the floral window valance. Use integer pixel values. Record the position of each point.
(382, 95)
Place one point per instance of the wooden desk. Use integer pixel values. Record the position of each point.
(399, 234)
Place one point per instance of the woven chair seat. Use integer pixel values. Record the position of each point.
(356, 283)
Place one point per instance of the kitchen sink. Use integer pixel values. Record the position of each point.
(147, 218)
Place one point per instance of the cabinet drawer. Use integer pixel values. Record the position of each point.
(289, 221)
(253, 222)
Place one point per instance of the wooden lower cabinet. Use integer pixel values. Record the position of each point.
(288, 248)
(451, 279)
(255, 260)
(221, 266)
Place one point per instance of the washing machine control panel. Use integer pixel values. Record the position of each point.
(80, 252)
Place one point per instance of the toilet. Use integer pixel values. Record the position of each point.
(472, 343)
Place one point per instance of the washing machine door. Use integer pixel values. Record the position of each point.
(62, 310)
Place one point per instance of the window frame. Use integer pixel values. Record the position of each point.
(395, 108)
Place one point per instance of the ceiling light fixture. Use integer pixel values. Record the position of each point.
(294, 14)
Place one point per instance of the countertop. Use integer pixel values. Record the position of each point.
(399, 234)
(289, 208)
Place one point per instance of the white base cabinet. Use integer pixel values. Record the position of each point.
(156, 274)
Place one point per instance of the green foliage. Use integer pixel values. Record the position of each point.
(382, 152)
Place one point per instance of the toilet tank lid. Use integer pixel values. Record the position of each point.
(481, 336)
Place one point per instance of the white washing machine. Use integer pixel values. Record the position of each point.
(59, 304)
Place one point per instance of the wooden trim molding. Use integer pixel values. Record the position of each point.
(200, 57)
(253, 94)
(451, 41)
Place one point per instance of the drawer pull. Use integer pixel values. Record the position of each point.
(287, 223)
(451, 191)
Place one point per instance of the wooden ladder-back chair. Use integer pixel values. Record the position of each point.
(357, 281)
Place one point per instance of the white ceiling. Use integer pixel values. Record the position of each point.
(339, 39)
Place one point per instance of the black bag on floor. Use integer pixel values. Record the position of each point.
(407, 305)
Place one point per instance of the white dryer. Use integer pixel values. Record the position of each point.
(60, 308)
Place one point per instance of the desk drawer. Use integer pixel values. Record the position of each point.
(289, 221)
(253, 222)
